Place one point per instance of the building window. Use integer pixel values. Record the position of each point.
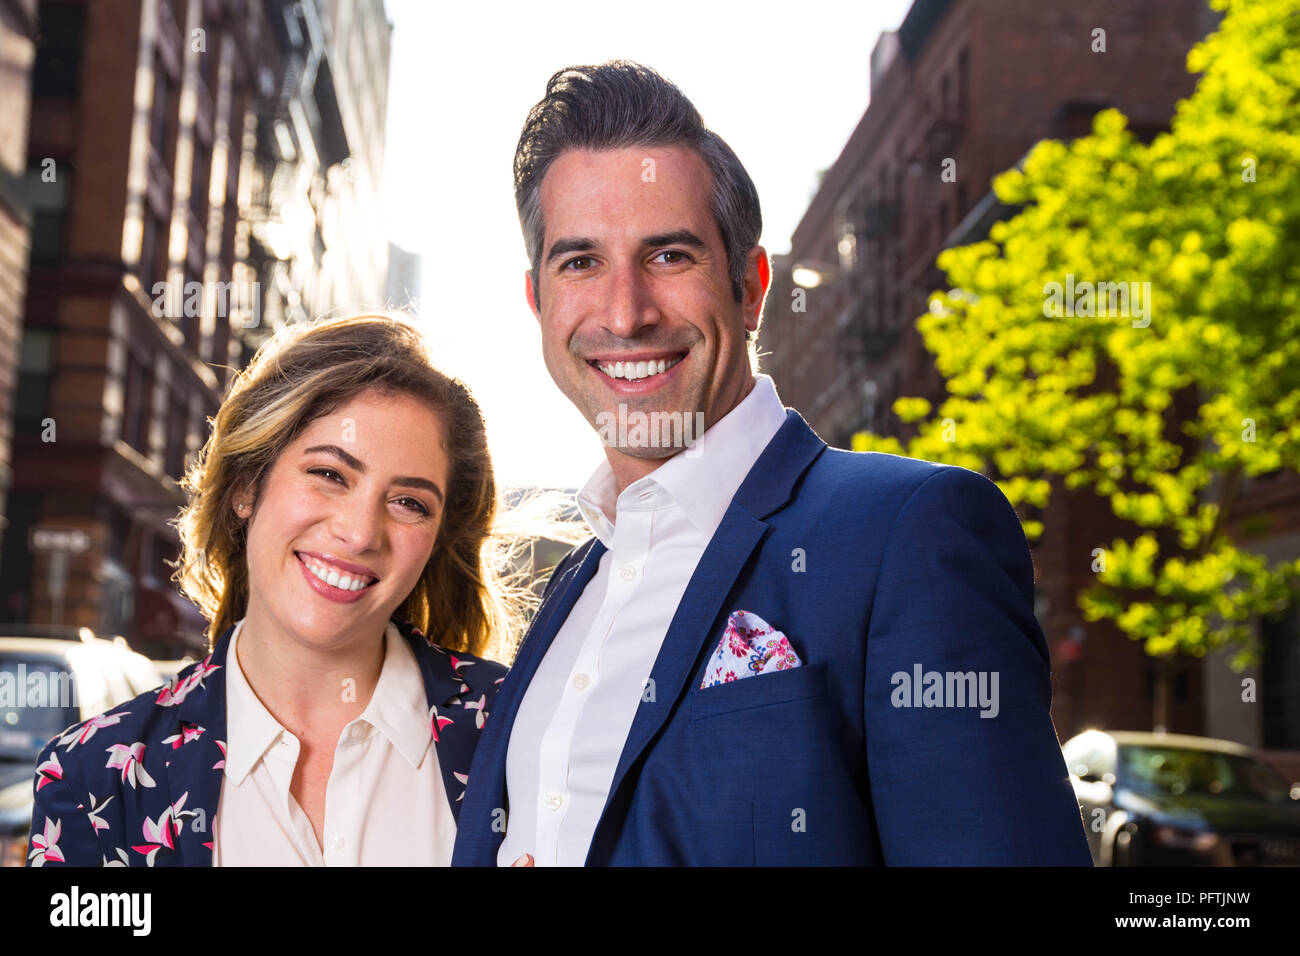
(136, 405)
(176, 434)
(48, 200)
(32, 396)
(202, 181)
(57, 70)
(1280, 681)
(159, 121)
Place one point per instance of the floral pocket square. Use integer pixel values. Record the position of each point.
(749, 646)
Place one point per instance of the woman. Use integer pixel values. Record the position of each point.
(342, 509)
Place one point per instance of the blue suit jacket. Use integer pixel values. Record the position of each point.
(139, 785)
(871, 564)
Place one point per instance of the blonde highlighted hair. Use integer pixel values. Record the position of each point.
(466, 599)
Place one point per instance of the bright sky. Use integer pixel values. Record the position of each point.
(784, 84)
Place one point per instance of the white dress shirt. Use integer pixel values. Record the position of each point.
(576, 714)
(385, 803)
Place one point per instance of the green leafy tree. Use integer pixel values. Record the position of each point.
(1159, 395)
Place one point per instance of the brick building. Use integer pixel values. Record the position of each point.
(967, 88)
(209, 157)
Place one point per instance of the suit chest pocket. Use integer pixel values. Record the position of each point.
(761, 690)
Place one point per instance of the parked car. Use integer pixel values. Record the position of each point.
(47, 684)
(1173, 800)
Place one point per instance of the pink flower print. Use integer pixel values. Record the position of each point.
(174, 693)
(221, 764)
(130, 760)
(96, 821)
(49, 771)
(188, 732)
(735, 643)
(436, 722)
(163, 833)
(730, 676)
(478, 705)
(45, 846)
(123, 858)
(84, 731)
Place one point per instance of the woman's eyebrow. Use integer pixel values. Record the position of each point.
(356, 465)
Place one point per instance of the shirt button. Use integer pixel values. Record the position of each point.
(580, 681)
(628, 572)
(552, 801)
(337, 843)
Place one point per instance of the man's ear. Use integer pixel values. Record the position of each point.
(758, 278)
(531, 294)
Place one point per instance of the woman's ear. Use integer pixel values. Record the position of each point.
(244, 501)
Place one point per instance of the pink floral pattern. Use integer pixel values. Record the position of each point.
(84, 731)
(749, 646)
(129, 758)
(45, 845)
(49, 771)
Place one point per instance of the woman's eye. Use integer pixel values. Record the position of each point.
(414, 505)
(324, 473)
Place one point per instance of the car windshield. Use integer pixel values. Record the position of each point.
(1178, 771)
(37, 700)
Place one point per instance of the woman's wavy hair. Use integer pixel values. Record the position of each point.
(467, 598)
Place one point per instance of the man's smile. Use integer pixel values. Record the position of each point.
(637, 372)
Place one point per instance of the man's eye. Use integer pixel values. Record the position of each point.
(578, 264)
(672, 256)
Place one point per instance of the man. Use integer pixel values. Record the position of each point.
(771, 651)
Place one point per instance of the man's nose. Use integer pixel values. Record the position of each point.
(631, 304)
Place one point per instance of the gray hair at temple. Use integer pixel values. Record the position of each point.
(620, 104)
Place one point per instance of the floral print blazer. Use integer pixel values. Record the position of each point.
(139, 785)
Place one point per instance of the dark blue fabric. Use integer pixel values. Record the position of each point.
(905, 563)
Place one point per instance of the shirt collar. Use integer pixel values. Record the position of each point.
(703, 478)
(250, 728)
(396, 709)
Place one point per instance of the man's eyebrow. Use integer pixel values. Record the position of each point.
(356, 465)
(681, 237)
(562, 247)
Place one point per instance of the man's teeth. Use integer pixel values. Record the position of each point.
(636, 370)
(332, 577)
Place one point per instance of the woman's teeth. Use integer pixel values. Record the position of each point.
(332, 577)
(637, 370)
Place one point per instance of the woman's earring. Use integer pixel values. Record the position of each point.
(241, 509)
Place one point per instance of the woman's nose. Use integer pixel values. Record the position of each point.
(358, 525)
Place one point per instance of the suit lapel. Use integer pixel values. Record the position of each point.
(479, 841)
(768, 487)
(197, 761)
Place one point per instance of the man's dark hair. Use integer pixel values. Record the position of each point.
(620, 104)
